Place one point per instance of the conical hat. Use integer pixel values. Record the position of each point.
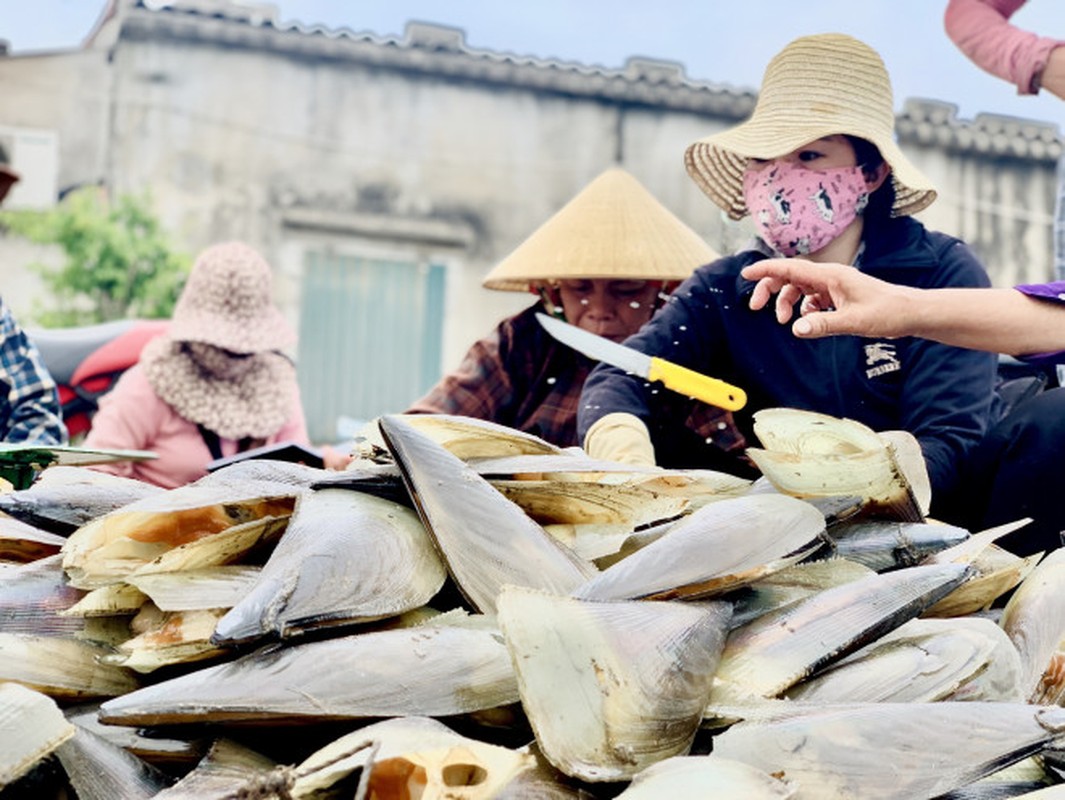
(614, 228)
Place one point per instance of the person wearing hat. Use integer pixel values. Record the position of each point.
(1028, 319)
(215, 384)
(29, 401)
(817, 168)
(1016, 469)
(603, 262)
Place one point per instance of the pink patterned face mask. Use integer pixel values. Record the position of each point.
(799, 210)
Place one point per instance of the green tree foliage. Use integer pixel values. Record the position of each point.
(118, 262)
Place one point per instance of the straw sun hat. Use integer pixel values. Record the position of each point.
(614, 228)
(816, 86)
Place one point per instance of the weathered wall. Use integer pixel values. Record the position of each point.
(66, 92)
(234, 135)
(997, 185)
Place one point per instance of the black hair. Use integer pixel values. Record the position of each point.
(882, 201)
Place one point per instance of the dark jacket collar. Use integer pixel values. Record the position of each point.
(892, 243)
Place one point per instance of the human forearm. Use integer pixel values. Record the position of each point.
(838, 299)
(982, 31)
(1053, 77)
(998, 320)
(608, 390)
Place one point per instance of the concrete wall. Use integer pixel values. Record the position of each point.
(232, 156)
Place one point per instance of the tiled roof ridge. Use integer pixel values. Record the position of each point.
(442, 49)
(934, 122)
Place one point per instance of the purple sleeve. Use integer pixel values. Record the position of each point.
(1053, 292)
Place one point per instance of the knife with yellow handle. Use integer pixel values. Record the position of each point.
(680, 379)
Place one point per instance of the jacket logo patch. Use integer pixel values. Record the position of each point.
(881, 358)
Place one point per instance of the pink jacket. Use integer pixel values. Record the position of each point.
(981, 30)
(133, 417)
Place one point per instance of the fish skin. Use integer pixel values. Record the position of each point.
(775, 651)
(101, 770)
(345, 557)
(63, 507)
(718, 548)
(462, 669)
(485, 540)
(886, 544)
(856, 751)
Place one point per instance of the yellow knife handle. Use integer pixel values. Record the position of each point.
(694, 384)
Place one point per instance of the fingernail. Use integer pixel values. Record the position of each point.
(803, 327)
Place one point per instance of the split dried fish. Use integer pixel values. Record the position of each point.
(1034, 619)
(427, 671)
(346, 557)
(31, 728)
(706, 776)
(610, 688)
(63, 498)
(720, 547)
(892, 750)
(815, 455)
(485, 539)
(117, 544)
(777, 650)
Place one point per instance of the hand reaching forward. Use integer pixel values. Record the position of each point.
(840, 299)
(835, 298)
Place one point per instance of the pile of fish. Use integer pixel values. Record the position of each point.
(471, 612)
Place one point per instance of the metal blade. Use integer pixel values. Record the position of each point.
(597, 347)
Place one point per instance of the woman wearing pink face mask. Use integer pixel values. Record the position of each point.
(817, 168)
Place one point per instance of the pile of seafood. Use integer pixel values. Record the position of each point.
(471, 612)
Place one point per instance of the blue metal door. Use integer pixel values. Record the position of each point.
(369, 337)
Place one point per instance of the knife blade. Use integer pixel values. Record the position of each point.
(680, 379)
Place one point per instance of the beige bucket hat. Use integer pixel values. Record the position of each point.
(614, 228)
(816, 86)
(227, 303)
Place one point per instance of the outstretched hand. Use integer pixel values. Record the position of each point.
(835, 298)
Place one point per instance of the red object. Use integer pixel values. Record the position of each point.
(99, 371)
(117, 355)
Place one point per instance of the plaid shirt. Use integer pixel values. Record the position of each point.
(29, 408)
(518, 376)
